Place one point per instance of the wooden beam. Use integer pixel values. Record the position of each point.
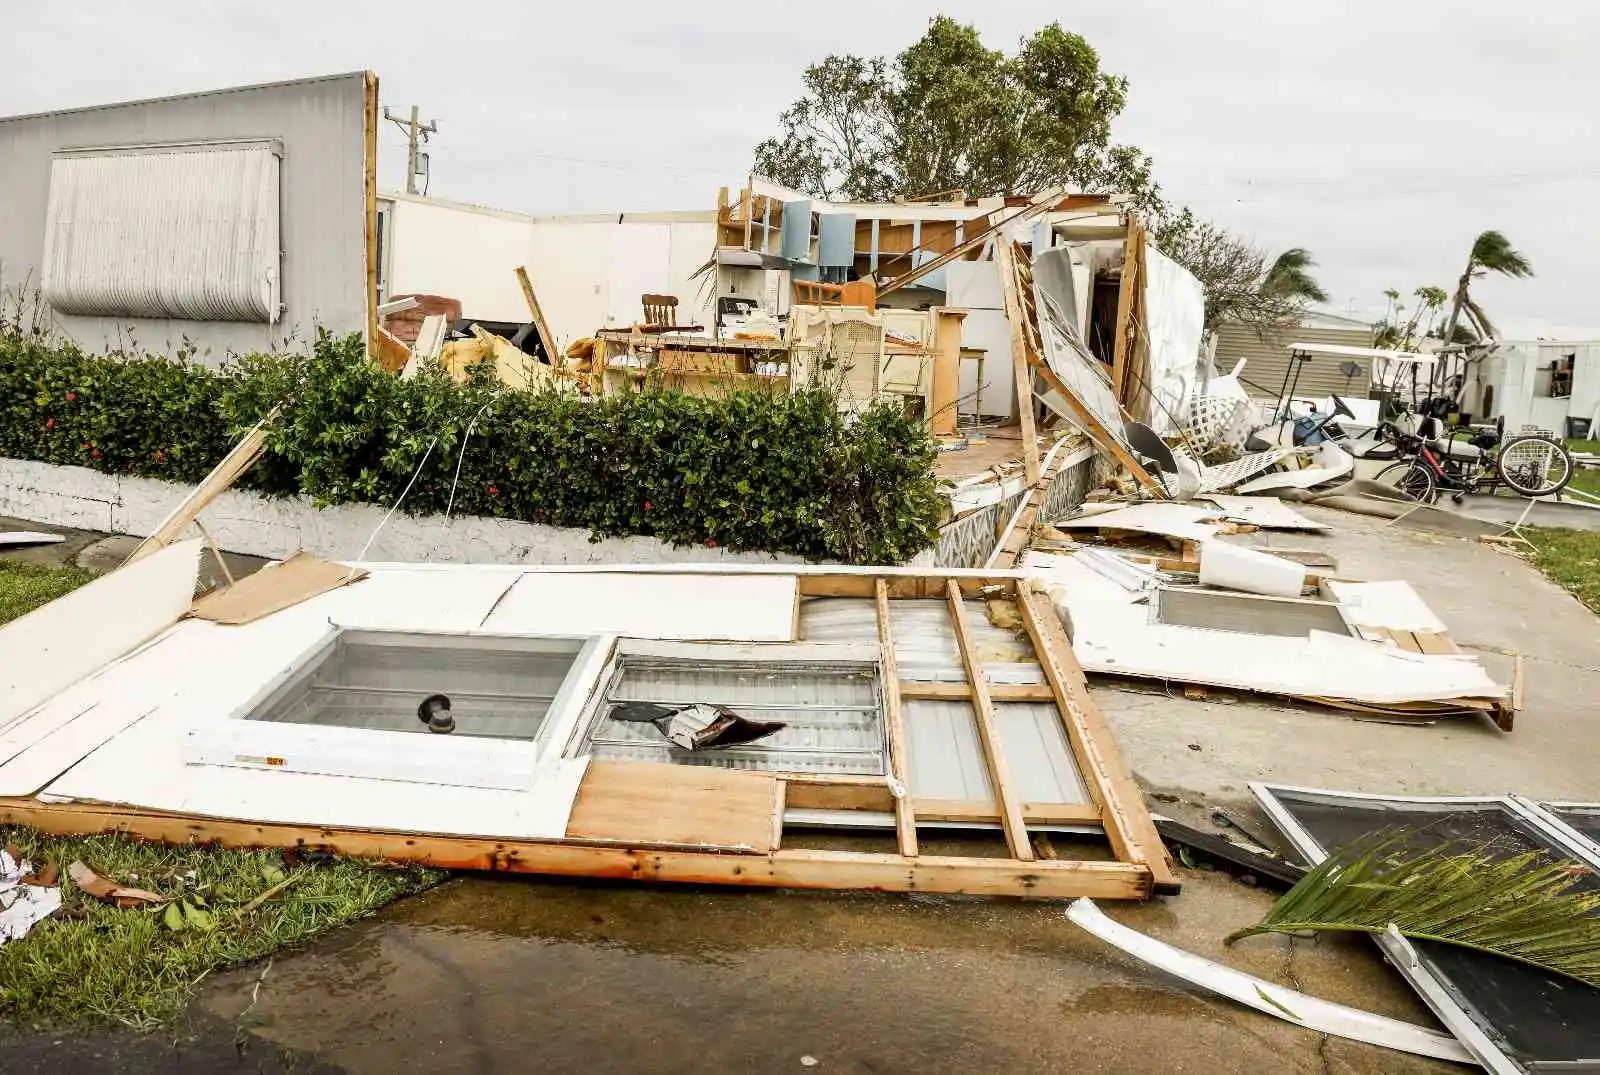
(1043, 203)
(1021, 368)
(988, 733)
(1019, 528)
(905, 821)
(1125, 292)
(935, 810)
(238, 460)
(1128, 825)
(778, 869)
(874, 797)
(962, 692)
(946, 384)
(1103, 437)
(545, 336)
(900, 586)
(369, 203)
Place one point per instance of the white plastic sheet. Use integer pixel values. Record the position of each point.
(1174, 314)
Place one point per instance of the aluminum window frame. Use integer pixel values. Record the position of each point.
(1399, 950)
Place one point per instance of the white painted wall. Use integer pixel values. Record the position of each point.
(462, 252)
(248, 523)
(588, 272)
(1514, 369)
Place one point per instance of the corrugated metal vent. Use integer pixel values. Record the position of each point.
(165, 231)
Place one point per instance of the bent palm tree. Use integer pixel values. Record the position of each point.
(1491, 252)
(1290, 277)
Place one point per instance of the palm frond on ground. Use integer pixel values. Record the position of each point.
(1524, 907)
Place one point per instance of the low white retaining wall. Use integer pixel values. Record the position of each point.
(249, 523)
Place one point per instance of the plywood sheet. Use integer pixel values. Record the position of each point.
(748, 608)
(297, 579)
(644, 804)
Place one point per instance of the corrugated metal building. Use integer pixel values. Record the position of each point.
(233, 219)
(1324, 375)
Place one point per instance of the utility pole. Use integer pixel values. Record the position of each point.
(416, 134)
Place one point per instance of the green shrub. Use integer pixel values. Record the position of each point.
(755, 470)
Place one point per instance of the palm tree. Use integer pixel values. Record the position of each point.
(1491, 252)
(1290, 277)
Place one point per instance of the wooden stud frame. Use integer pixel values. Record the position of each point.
(1141, 866)
(1017, 278)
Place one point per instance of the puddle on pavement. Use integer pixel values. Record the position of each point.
(491, 974)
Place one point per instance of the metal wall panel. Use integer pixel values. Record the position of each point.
(320, 124)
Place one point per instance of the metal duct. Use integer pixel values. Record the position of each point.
(187, 231)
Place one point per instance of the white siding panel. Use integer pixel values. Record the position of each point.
(188, 232)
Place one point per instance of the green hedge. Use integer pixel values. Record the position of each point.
(753, 471)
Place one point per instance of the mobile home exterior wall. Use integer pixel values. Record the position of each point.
(317, 129)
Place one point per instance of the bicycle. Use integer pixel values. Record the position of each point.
(1529, 464)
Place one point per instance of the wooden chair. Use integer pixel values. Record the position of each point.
(660, 311)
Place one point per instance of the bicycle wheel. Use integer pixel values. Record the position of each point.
(1411, 477)
(1534, 466)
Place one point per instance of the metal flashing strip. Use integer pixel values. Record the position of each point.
(1446, 1000)
(1313, 1013)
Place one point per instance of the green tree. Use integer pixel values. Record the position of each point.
(1239, 284)
(1290, 277)
(1491, 252)
(949, 113)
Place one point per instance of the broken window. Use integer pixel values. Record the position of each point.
(1181, 606)
(830, 712)
(485, 687)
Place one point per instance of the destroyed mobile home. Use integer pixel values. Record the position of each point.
(488, 717)
(684, 723)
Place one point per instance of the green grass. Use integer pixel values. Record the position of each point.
(92, 964)
(24, 587)
(1571, 558)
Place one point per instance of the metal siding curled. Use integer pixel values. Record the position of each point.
(170, 232)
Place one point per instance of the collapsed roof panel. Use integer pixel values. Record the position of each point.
(531, 719)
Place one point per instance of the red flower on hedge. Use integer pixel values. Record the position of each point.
(50, 423)
(711, 543)
(648, 505)
(494, 490)
(161, 457)
(71, 396)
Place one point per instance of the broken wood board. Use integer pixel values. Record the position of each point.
(547, 339)
(390, 351)
(1014, 538)
(429, 345)
(274, 587)
(238, 460)
(646, 804)
(514, 367)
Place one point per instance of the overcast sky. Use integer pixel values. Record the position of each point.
(1381, 135)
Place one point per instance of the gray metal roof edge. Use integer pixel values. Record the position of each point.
(185, 96)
